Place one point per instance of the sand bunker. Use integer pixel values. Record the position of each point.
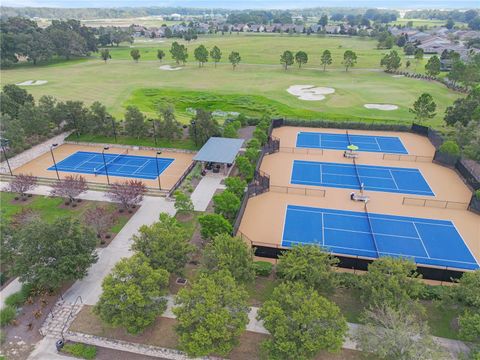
(384, 107)
(398, 76)
(32, 83)
(310, 92)
(169, 68)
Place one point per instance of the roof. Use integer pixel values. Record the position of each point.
(220, 150)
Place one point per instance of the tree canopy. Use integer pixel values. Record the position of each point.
(132, 294)
(211, 314)
(424, 107)
(165, 244)
(349, 59)
(301, 323)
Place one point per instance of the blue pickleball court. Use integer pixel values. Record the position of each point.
(124, 165)
(425, 241)
(369, 143)
(374, 178)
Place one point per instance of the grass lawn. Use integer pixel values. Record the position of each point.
(186, 144)
(50, 209)
(259, 84)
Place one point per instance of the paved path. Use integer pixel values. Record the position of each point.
(13, 287)
(32, 153)
(203, 193)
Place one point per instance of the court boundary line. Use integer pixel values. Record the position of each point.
(412, 222)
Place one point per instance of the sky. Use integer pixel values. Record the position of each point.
(250, 4)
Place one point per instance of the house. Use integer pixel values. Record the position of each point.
(332, 29)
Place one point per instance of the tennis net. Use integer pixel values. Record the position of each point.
(371, 230)
(104, 166)
(348, 137)
(358, 174)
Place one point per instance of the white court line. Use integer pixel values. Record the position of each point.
(369, 233)
(390, 171)
(372, 217)
(84, 162)
(141, 166)
(384, 252)
(421, 240)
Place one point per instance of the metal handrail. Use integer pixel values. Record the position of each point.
(70, 315)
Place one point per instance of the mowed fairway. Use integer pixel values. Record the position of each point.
(259, 84)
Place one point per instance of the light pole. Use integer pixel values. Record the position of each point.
(158, 170)
(4, 142)
(105, 163)
(114, 129)
(154, 133)
(194, 124)
(53, 158)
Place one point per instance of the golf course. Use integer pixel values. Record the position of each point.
(258, 85)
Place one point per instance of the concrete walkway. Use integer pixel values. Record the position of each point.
(203, 193)
(32, 153)
(13, 287)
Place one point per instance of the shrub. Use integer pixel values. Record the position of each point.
(477, 194)
(434, 292)
(262, 268)
(81, 350)
(3, 278)
(348, 280)
(7, 314)
(16, 299)
(450, 147)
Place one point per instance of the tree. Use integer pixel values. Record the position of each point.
(132, 294)
(69, 187)
(469, 323)
(226, 204)
(323, 20)
(409, 49)
(424, 107)
(433, 66)
(457, 71)
(212, 225)
(236, 185)
(135, 125)
(418, 55)
(183, 201)
(203, 127)
(234, 59)
(211, 314)
(232, 254)
(245, 168)
(99, 219)
(201, 55)
(349, 59)
(13, 98)
(407, 64)
(179, 52)
(301, 323)
(464, 110)
(74, 115)
(168, 126)
(129, 193)
(301, 58)
(260, 135)
(216, 55)
(230, 131)
(286, 59)
(391, 282)
(165, 244)
(135, 54)
(466, 291)
(105, 55)
(450, 24)
(310, 265)
(326, 59)
(160, 54)
(391, 61)
(49, 254)
(391, 333)
(21, 184)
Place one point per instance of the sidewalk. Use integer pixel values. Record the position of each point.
(13, 287)
(32, 153)
(203, 193)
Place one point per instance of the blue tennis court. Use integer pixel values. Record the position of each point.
(426, 241)
(374, 178)
(383, 144)
(132, 166)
